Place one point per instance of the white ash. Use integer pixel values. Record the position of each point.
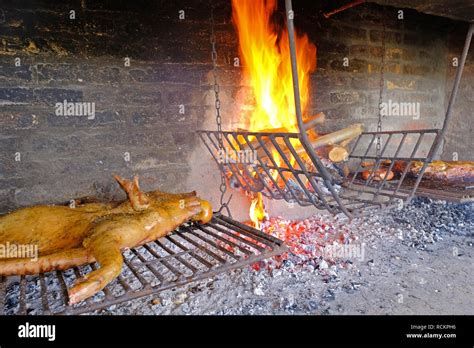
(426, 221)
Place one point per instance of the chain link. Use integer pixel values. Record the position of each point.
(381, 87)
(223, 185)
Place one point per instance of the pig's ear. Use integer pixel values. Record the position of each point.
(137, 198)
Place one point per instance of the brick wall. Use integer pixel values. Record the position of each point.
(459, 138)
(415, 56)
(145, 112)
(139, 108)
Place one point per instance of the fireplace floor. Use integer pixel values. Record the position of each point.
(417, 260)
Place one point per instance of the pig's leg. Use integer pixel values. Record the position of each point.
(57, 261)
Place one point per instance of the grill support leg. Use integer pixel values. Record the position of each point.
(299, 118)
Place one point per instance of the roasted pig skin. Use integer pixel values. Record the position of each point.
(67, 237)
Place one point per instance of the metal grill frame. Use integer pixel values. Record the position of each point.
(352, 201)
(219, 240)
(303, 184)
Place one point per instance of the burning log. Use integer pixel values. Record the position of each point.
(343, 136)
(309, 124)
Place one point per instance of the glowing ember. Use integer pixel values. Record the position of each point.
(308, 240)
(265, 54)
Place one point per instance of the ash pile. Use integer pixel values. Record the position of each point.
(427, 221)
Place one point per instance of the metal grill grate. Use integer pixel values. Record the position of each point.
(303, 179)
(402, 146)
(193, 252)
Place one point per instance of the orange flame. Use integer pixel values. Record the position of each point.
(265, 54)
(266, 61)
(257, 209)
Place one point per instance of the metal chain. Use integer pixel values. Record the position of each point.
(381, 87)
(223, 185)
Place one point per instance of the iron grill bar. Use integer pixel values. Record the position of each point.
(173, 255)
(236, 174)
(238, 168)
(147, 265)
(210, 242)
(62, 284)
(359, 167)
(196, 256)
(157, 274)
(262, 164)
(251, 232)
(249, 174)
(379, 162)
(44, 299)
(288, 164)
(178, 257)
(22, 293)
(165, 263)
(200, 247)
(401, 179)
(243, 240)
(201, 240)
(275, 167)
(407, 166)
(305, 172)
(123, 283)
(392, 163)
(135, 272)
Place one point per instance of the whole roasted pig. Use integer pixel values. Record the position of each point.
(67, 237)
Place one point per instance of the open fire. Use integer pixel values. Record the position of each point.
(267, 69)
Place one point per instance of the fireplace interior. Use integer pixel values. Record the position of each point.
(352, 195)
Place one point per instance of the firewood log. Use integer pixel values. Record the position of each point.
(331, 139)
(314, 120)
(309, 124)
(342, 135)
(338, 154)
